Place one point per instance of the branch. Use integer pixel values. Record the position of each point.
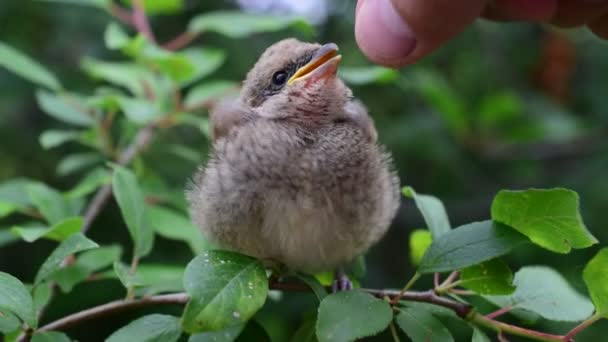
(501, 327)
(142, 139)
(460, 309)
(570, 335)
(180, 41)
(122, 14)
(114, 307)
(140, 21)
(464, 311)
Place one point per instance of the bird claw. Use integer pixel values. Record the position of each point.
(341, 282)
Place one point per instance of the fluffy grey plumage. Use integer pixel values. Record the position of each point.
(295, 174)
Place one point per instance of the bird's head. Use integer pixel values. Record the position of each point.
(297, 81)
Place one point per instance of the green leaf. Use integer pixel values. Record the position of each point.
(128, 279)
(469, 245)
(160, 278)
(207, 92)
(370, 74)
(420, 240)
(226, 289)
(8, 322)
(115, 37)
(139, 111)
(351, 315)
(226, 335)
(492, 277)
(314, 285)
(6, 237)
(132, 205)
(87, 262)
(223, 22)
(153, 7)
(150, 328)
(596, 278)
(99, 258)
(7, 209)
(13, 196)
(14, 191)
(15, 298)
(58, 232)
(53, 138)
(172, 225)
(550, 218)
(77, 162)
(306, 332)
(129, 75)
(204, 60)
(90, 182)
(442, 97)
(500, 108)
(432, 211)
(50, 336)
(93, 3)
(422, 326)
(65, 108)
(542, 290)
(51, 203)
(479, 336)
(72, 245)
(26, 67)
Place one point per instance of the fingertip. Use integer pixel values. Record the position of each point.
(382, 34)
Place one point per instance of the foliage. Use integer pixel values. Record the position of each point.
(157, 89)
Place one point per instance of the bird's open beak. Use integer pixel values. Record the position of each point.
(324, 64)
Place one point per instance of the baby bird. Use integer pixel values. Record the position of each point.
(295, 174)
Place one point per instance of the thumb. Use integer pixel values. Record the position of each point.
(399, 32)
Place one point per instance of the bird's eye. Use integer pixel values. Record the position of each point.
(279, 78)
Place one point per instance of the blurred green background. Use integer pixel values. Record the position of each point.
(502, 106)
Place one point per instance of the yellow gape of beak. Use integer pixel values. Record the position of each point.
(324, 62)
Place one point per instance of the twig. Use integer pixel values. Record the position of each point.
(514, 330)
(140, 21)
(436, 279)
(114, 307)
(407, 286)
(394, 332)
(460, 309)
(465, 311)
(123, 15)
(180, 41)
(462, 292)
(450, 279)
(142, 139)
(577, 329)
(499, 312)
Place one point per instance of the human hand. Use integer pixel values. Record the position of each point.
(400, 32)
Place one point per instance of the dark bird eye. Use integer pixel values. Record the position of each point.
(279, 78)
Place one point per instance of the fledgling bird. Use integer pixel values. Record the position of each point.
(295, 174)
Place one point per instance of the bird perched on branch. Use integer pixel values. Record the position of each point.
(295, 174)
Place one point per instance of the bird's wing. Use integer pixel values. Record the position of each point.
(227, 114)
(357, 113)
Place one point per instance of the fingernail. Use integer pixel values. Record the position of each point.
(381, 33)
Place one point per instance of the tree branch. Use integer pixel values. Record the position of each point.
(464, 311)
(460, 309)
(180, 41)
(122, 14)
(570, 335)
(142, 139)
(114, 307)
(140, 21)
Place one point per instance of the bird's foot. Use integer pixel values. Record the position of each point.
(341, 282)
